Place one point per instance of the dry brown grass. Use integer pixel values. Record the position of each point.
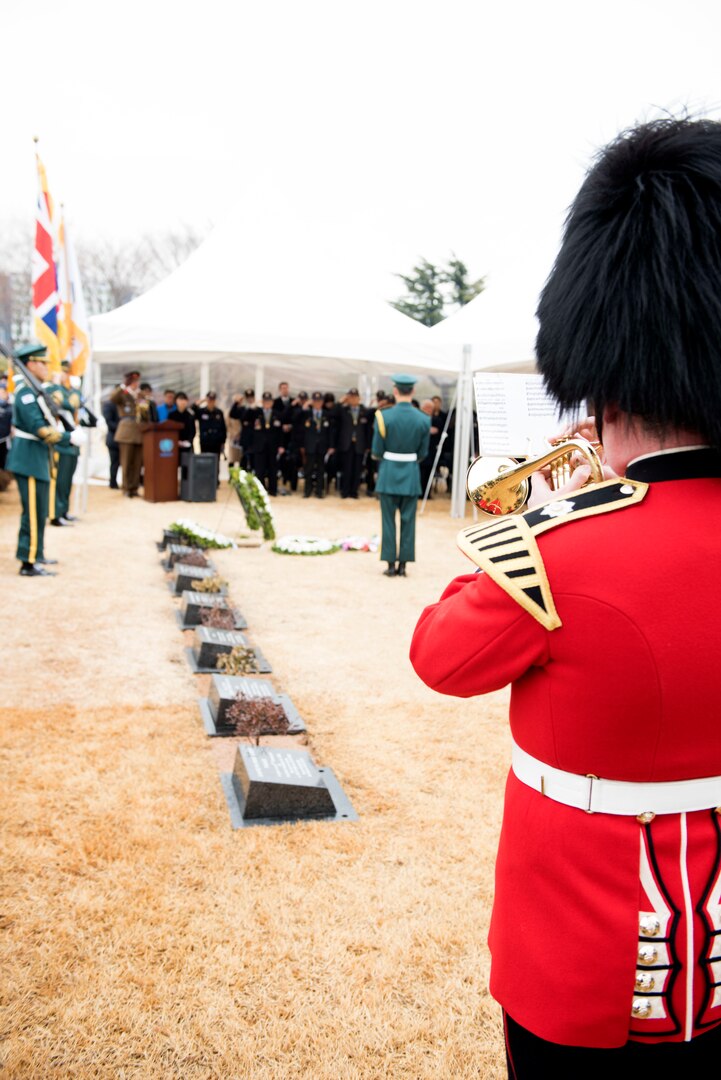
(142, 937)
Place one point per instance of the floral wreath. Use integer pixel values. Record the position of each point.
(254, 500)
(199, 536)
(305, 545)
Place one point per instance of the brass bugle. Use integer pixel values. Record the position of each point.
(498, 486)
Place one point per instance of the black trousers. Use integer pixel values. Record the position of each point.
(114, 452)
(265, 466)
(351, 466)
(313, 471)
(531, 1058)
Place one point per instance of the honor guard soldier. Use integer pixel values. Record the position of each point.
(35, 435)
(600, 606)
(65, 458)
(400, 441)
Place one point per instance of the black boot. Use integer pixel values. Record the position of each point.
(28, 569)
(401, 569)
(391, 571)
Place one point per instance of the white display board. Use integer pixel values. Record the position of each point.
(516, 415)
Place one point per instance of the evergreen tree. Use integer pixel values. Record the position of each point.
(462, 291)
(425, 302)
(431, 288)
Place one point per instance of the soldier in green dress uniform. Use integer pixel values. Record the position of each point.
(65, 458)
(35, 433)
(400, 440)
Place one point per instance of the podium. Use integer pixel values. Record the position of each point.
(160, 461)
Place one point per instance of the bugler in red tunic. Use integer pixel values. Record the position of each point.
(604, 927)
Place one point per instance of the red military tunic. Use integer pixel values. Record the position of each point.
(596, 912)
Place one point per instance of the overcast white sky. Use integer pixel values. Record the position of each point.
(413, 127)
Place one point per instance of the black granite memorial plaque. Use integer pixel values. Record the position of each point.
(210, 643)
(187, 577)
(269, 786)
(176, 553)
(192, 604)
(280, 783)
(170, 537)
(226, 690)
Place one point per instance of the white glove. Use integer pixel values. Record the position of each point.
(78, 437)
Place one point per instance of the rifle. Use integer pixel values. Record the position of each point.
(45, 400)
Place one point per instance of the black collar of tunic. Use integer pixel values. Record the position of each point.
(692, 464)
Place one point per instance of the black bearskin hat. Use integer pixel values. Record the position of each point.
(631, 313)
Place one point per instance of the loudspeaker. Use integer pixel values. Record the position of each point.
(198, 477)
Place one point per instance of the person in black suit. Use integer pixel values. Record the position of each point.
(315, 433)
(283, 410)
(244, 411)
(181, 414)
(111, 418)
(267, 443)
(355, 430)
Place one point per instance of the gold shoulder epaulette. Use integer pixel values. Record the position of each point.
(507, 550)
(381, 423)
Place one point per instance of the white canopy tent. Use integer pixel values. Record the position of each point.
(297, 307)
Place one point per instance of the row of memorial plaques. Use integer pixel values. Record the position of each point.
(268, 785)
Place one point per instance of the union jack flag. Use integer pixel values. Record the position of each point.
(45, 283)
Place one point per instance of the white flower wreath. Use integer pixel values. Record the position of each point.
(305, 545)
(202, 537)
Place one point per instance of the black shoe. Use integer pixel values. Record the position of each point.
(47, 562)
(391, 571)
(401, 569)
(30, 570)
(319, 494)
(59, 522)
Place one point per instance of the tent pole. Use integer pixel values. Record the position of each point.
(204, 379)
(462, 447)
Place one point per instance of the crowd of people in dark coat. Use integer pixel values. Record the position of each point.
(284, 439)
(322, 440)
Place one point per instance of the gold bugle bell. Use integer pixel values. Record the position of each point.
(498, 486)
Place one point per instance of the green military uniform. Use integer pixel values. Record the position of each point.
(34, 436)
(65, 458)
(400, 440)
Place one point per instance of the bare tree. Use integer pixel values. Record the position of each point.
(16, 240)
(113, 272)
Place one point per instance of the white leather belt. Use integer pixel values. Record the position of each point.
(390, 456)
(597, 796)
(25, 435)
